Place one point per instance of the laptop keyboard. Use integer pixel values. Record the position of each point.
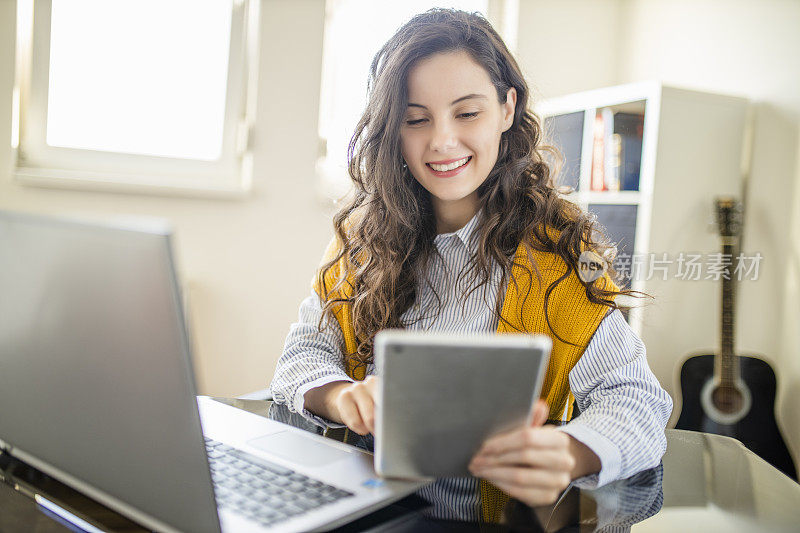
(262, 491)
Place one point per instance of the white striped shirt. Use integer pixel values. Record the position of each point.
(623, 408)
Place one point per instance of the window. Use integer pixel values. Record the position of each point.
(354, 32)
(135, 94)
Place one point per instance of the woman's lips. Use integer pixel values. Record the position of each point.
(451, 172)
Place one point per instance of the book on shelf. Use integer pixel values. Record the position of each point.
(629, 127)
(616, 150)
(597, 180)
(611, 156)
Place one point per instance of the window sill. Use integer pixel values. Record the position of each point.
(126, 184)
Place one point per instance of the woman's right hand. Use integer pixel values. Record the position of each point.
(351, 404)
(354, 405)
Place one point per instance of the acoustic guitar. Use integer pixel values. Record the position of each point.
(729, 394)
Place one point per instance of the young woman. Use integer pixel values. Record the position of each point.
(455, 224)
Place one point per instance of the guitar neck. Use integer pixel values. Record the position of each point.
(727, 364)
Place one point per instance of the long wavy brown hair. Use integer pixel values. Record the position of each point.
(387, 226)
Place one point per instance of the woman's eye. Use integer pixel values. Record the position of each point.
(415, 121)
(468, 115)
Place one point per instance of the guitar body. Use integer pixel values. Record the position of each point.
(757, 429)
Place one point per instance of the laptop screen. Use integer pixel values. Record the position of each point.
(96, 386)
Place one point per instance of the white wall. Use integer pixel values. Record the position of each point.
(749, 49)
(742, 48)
(247, 263)
(568, 46)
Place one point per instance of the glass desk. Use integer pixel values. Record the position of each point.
(705, 483)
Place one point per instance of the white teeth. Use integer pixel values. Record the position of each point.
(451, 166)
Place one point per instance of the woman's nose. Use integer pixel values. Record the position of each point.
(443, 138)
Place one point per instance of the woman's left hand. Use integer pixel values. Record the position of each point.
(533, 464)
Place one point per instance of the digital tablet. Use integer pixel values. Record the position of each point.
(441, 396)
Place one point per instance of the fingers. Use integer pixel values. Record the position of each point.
(357, 408)
(371, 384)
(540, 413)
(536, 477)
(348, 411)
(531, 478)
(532, 464)
(547, 459)
(531, 437)
(530, 496)
(366, 409)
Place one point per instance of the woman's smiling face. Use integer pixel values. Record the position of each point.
(451, 131)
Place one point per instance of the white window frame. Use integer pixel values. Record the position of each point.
(38, 164)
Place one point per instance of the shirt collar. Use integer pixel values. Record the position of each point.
(466, 234)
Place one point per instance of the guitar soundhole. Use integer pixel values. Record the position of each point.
(727, 399)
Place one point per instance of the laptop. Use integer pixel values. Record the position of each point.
(97, 390)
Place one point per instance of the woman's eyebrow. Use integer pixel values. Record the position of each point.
(454, 102)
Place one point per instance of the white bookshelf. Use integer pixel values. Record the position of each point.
(692, 151)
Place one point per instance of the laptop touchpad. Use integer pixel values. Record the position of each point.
(298, 449)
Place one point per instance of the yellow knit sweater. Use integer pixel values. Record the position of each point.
(571, 314)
